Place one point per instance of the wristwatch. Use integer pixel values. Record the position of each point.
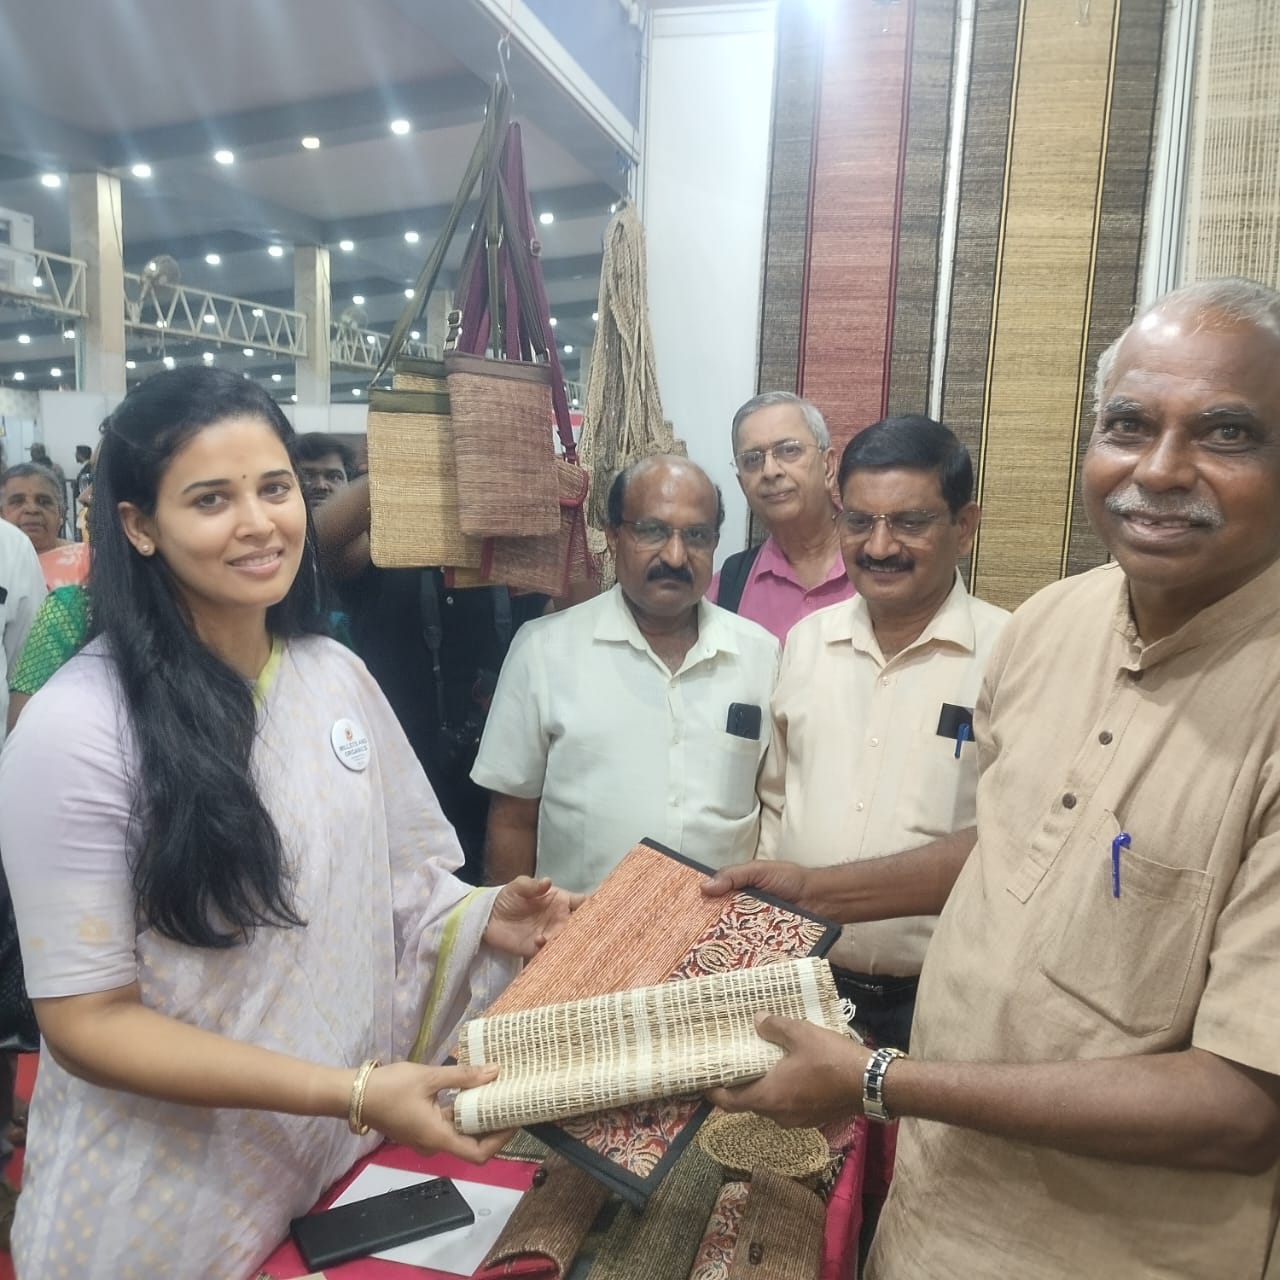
(873, 1084)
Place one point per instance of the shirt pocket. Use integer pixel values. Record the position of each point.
(1125, 959)
(735, 763)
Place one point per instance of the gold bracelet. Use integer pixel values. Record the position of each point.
(355, 1112)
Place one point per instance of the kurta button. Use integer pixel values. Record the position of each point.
(1105, 738)
(875, 742)
(858, 806)
(540, 1175)
(1068, 801)
(755, 1253)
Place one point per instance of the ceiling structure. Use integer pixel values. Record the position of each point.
(124, 83)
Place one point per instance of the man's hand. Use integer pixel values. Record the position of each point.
(785, 880)
(400, 1102)
(819, 1080)
(528, 913)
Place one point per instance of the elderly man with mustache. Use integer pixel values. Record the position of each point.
(873, 746)
(643, 712)
(1094, 1087)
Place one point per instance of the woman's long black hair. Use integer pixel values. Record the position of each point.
(208, 864)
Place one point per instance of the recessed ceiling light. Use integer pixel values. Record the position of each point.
(546, 217)
(19, 376)
(370, 338)
(169, 362)
(414, 335)
(213, 259)
(408, 293)
(50, 180)
(294, 397)
(311, 142)
(55, 372)
(355, 391)
(400, 127)
(248, 351)
(24, 338)
(411, 237)
(223, 156)
(130, 364)
(276, 250)
(160, 324)
(346, 245)
(207, 357)
(276, 377)
(358, 299)
(573, 404)
(210, 318)
(141, 171)
(595, 317)
(554, 322)
(37, 282)
(257, 313)
(568, 348)
(68, 335)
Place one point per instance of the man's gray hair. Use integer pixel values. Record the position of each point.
(767, 399)
(1230, 298)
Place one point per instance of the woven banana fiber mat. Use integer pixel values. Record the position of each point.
(920, 219)
(853, 234)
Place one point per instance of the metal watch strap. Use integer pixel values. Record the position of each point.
(873, 1084)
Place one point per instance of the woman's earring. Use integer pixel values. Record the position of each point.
(146, 548)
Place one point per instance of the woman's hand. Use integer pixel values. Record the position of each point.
(400, 1102)
(528, 913)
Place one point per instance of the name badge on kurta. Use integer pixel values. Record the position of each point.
(350, 745)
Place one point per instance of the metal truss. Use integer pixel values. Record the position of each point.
(48, 282)
(351, 347)
(174, 310)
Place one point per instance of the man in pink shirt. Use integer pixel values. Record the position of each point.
(786, 467)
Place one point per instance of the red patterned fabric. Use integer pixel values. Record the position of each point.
(715, 1253)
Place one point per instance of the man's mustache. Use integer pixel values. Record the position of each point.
(891, 563)
(1134, 501)
(674, 573)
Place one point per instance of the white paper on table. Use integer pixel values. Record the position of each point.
(459, 1251)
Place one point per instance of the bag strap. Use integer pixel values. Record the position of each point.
(733, 577)
(488, 147)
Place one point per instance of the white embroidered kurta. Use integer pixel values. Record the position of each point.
(117, 1186)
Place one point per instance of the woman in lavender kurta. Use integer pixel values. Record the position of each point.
(214, 947)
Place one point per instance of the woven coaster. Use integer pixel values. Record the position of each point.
(780, 1237)
(524, 1146)
(745, 1141)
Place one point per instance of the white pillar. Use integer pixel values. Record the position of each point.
(312, 296)
(97, 237)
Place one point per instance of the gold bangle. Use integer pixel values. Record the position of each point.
(355, 1112)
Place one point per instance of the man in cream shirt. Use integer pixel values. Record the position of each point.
(643, 712)
(873, 748)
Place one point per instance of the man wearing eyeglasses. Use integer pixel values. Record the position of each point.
(786, 467)
(642, 712)
(873, 748)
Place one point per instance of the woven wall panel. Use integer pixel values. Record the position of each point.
(1233, 196)
(853, 232)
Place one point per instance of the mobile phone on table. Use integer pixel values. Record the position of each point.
(381, 1222)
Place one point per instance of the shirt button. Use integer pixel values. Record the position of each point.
(1068, 801)
(858, 806)
(1105, 738)
(875, 742)
(884, 682)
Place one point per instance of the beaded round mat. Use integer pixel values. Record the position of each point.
(744, 1141)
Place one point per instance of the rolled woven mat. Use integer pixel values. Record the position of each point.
(745, 1141)
(780, 1236)
(660, 1243)
(613, 1050)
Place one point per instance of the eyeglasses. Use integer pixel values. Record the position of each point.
(907, 525)
(653, 535)
(785, 451)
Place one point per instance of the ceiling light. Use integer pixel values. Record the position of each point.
(294, 397)
(568, 348)
(141, 171)
(276, 377)
(55, 372)
(595, 317)
(408, 293)
(24, 338)
(210, 318)
(573, 404)
(207, 357)
(223, 156)
(257, 313)
(37, 282)
(346, 245)
(546, 217)
(169, 362)
(19, 376)
(50, 180)
(613, 208)
(400, 127)
(358, 299)
(411, 237)
(275, 250)
(554, 322)
(160, 324)
(213, 259)
(355, 391)
(370, 338)
(311, 142)
(414, 335)
(248, 351)
(130, 364)
(68, 335)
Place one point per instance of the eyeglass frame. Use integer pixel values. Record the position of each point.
(672, 530)
(772, 452)
(892, 527)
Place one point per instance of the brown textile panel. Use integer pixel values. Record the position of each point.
(852, 243)
(1125, 181)
(920, 220)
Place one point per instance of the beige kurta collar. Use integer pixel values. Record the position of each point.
(616, 625)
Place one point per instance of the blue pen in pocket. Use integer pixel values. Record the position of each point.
(1122, 841)
(963, 734)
